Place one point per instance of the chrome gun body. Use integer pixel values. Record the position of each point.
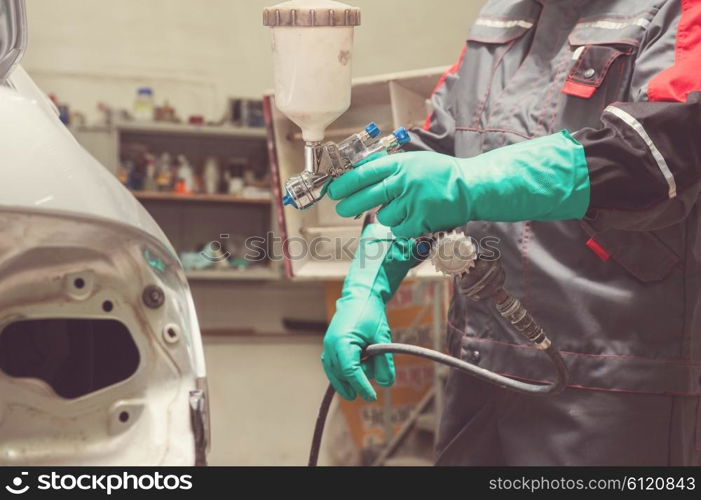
(327, 161)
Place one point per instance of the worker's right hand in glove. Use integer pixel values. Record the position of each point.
(541, 179)
(379, 265)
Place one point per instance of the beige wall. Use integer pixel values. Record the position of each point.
(197, 53)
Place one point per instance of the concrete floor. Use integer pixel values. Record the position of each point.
(265, 394)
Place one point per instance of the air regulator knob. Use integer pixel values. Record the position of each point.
(454, 254)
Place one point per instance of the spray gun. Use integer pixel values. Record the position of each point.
(312, 55)
(327, 161)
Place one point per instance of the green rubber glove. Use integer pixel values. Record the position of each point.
(540, 179)
(379, 266)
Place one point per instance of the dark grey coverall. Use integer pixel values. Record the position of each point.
(618, 292)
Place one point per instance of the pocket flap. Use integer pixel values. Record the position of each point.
(591, 66)
(597, 43)
(640, 253)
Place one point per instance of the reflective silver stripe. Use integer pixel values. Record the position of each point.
(613, 25)
(578, 52)
(638, 127)
(496, 23)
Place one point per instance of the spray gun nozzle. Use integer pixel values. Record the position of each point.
(288, 200)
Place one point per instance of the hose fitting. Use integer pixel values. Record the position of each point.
(515, 313)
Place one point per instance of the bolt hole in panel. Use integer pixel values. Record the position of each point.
(172, 333)
(74, 356)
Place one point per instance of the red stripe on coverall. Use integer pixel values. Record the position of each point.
(675, 82)
(598, 250)
(451, 71)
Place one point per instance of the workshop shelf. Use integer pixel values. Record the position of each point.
(192, 221)
(200, 198)
(187, 129)
(258, 274)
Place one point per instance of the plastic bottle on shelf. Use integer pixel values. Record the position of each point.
(186, 176)
(123, 171)
(164, 173)
(137, 175)
(234, 176)
(143, 105)
(211, 176)
(150, 179)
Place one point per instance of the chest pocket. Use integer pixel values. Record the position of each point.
(603, 59)
(591, 68)
(643, 255)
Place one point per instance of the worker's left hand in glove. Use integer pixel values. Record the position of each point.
(379, 265)
(424, 192)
